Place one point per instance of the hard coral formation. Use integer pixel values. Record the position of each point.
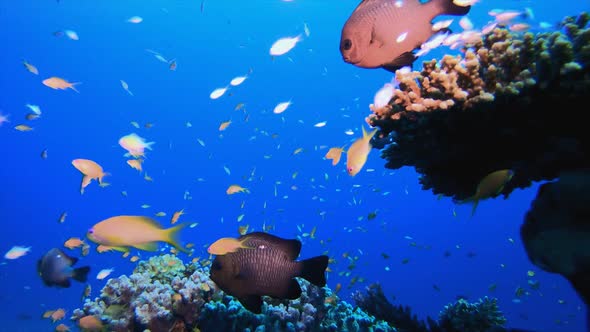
(475, 317)
(163, 294)
(461, 316)
(511, 101)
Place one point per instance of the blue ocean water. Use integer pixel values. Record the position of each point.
(295, 192)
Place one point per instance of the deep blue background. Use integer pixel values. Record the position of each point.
(211, 48)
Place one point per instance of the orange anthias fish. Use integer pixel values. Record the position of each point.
(384, 33)
(73, 242)
(90, 323)
(223, 126)
(58, 83)
(234, 188)
(91, 171)
(357, 153)
(227, 245)
(335, 154)
(176, 215)
(121, 232)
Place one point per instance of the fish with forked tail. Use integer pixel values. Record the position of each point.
(267, 268)
(384, 33)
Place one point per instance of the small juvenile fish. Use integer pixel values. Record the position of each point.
(32, 69)
(104, 273)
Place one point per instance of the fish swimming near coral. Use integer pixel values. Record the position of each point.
(122, 232)
(384, 33)
(269, 269)
(490, 186)
(55, 269)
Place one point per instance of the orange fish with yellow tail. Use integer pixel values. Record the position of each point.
(122, 232)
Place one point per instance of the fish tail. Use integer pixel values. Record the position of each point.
(448, 7)
(313, 270)
(81, 274)
(102, 176)
(171, 237)
(73, 86)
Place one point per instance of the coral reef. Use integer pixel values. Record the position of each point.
(163, 294)
(461, 316)
(511, 101)
(480, 316)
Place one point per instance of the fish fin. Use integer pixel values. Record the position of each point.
(72, 260)
(148, 246)
(448, 7)
(402, 60)
(39, 263)
(73, 86)
(81, 274)
(172, 235)
(294, 290)
(252, 303)
(121, 249)
(313, 270)
(102, 176)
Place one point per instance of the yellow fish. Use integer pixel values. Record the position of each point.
(134, 231)
(357, 153)
(490, 186)
(227, 245)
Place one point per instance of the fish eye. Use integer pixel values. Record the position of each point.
(347, 44)
(90, 231)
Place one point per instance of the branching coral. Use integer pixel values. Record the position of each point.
(510, 101)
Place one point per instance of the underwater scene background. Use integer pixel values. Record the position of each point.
(380, 226)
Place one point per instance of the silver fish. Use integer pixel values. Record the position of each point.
(384, 33)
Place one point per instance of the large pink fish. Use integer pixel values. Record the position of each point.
(384, 33)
